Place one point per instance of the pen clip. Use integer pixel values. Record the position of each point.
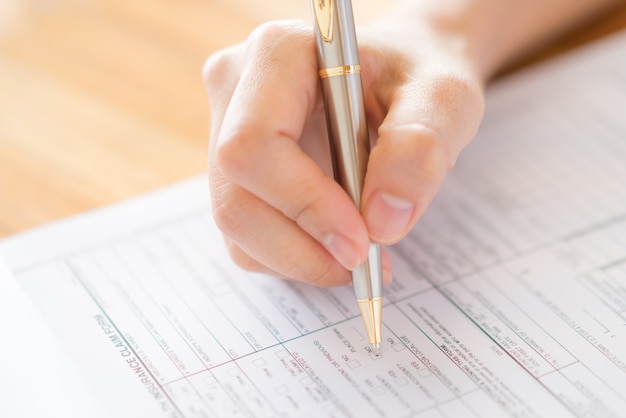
(323, 10)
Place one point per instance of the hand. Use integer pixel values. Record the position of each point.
(272, 192)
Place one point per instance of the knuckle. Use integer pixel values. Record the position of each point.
(234, 152)
(267, 32)
(317, 269)
(276, 32)
(448, 86)
(270, 36)
(422, 152)
(434, 151)
(217, 67)
(226, 210)
(461, 98)
(301, 211)
(306, 203)
(327, 274)
(241, 258)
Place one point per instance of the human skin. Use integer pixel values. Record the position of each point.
(424, 65)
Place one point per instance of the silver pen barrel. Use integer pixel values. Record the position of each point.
(340, 75)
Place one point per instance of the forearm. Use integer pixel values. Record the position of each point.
(491, 34)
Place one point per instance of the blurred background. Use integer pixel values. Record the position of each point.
(101, 100)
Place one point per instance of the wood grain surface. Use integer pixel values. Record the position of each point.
(101, 100)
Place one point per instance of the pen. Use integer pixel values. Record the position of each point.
(340, 75)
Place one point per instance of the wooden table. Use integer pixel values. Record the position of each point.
(101, 100)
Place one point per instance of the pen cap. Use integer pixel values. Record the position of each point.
(343, 93)
(335, 34)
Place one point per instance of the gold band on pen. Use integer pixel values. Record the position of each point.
(341, 70)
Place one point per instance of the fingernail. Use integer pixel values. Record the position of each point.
(388, 217)
(387, 275)
(343, 250)
(387, 269)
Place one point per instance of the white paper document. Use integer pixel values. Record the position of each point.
(509, 297)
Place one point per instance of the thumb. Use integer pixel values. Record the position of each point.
(428, 123)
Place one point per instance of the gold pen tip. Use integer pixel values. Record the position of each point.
(376, 348)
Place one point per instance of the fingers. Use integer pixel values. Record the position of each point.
(260, 241)
(221, 73)
(310, 263)
(430, 119)
(278, 208)
(271, 200)
(258, 145)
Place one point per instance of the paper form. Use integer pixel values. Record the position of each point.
(22, 361)
(508, 298)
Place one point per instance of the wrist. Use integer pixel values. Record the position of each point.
(433, 37)
(487, 35)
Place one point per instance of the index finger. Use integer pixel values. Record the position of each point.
(277, 97)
